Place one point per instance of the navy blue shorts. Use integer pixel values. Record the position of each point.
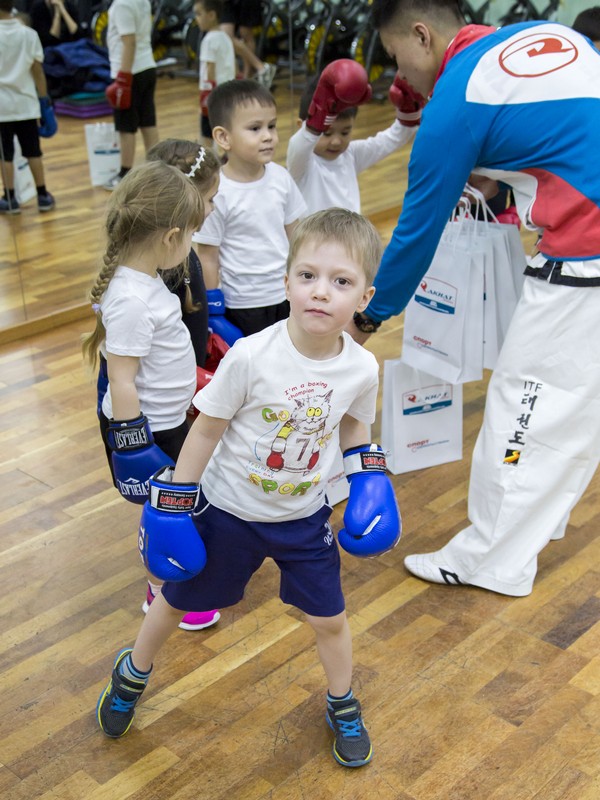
(305, 551)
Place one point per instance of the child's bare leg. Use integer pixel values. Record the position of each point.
(159, 623)
(334, 646)
(37, 170)
(8, 174)
(149, 137)
(127, 141)
(352, 746)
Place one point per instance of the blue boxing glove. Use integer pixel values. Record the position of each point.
(372, 518)
(216, 317)
(48, 125)
(169, 543)
(135, 457)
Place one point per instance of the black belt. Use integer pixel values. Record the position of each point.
(551, 271)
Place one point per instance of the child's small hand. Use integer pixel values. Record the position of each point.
(409, 103)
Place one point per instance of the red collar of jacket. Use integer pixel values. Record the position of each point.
(465, 37)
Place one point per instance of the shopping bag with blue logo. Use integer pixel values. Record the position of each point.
(24, 184)
(104, 151)
(443, 322)
(422, 418)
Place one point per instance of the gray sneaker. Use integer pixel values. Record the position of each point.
(112, 184)
(267, 74)
(9, 205)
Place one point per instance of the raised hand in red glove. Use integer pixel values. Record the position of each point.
(409, 103)
(343, 84)
(118, 93)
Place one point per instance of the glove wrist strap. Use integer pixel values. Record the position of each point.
(409, 116)
(173, 499)
(371, 459)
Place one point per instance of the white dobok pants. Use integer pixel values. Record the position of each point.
(539, 444)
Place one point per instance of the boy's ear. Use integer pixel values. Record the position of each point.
(366, 298)
(221, 137)
(299, 123)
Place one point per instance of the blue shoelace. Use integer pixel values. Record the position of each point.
(350, 728)
(118, 704)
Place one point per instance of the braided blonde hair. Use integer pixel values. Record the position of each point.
(153, 198)
(202, 167)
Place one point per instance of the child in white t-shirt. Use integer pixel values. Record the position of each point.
(325, 165)
(272, 420)
(244, 243)
(217, 56)
(23, 100)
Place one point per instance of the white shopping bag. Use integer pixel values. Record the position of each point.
(104, 151)
(504, 266)
(443, 322)
(24, 184)
(422, 418)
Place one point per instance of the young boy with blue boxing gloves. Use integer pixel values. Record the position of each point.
(263, 487)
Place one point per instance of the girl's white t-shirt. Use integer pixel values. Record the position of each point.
(142, 319)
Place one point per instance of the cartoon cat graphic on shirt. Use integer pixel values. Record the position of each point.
(298, 443)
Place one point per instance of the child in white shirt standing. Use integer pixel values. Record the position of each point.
(217, 57)
(244, 243)
(321, 156)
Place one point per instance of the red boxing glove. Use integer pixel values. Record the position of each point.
(343, 84)
(409, 103)
(118, 93)
(207, 87)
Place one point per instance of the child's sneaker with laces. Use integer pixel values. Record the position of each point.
(45, 202)
(9, 206)
(116, 704)
(193, 620)
(352, 745)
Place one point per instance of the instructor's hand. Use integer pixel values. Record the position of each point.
(356, 334)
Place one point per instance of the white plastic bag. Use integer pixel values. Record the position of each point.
(443, 322)
(422, 419)
(104, 151)
(24, 184)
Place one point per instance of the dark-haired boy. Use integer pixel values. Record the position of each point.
(243, 244)
(321, 156)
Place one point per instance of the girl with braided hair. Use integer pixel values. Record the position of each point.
(150, 360)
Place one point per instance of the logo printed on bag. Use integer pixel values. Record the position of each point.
(437, 295)
(429, 398)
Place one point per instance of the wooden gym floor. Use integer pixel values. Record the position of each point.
(468, 695)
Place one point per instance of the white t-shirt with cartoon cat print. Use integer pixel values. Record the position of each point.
(273, 460)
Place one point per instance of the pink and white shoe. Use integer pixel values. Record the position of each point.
(193, 620)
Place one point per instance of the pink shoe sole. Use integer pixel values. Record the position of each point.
(194, 620)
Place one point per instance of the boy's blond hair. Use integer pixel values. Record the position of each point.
(352, 231)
